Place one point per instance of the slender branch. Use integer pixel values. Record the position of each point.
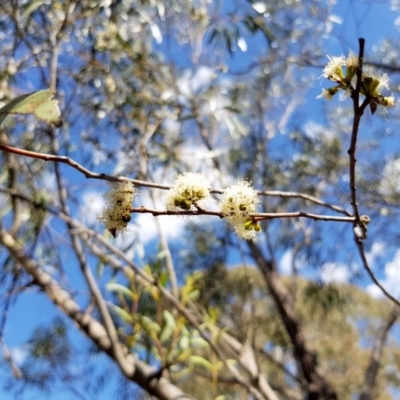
(317, 385)
(315, 200)
(167, 255)
(360, 229)
(374, 364)
(102, 176)
(256, 216)
(358, 112)
(366, 266)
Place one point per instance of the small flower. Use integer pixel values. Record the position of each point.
(118, 212)
(352, 64)
(329, 93)
(373, 83)
(189, 189)
(386, 101)
(238, 202)
(333, 70)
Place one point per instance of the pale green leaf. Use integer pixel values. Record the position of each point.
(125, 316)
(201, 362)
(118, 288)
(38, 103)
(169, 326)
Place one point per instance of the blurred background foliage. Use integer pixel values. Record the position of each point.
(152, 88)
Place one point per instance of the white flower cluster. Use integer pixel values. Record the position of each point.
(371, 82)
(238, 202)
(189, 189)
(118, 212)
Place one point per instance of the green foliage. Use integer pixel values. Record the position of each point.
(151, 89)
(38, 103)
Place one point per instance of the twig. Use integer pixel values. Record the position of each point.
(358, 224)
(315, 200)
(256, 216)
(376, 354)
(361, 251)
(102, 176)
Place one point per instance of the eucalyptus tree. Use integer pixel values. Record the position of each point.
(154, 128)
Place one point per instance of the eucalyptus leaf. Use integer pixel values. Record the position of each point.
(38, 103)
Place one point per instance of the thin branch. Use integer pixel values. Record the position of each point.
(317, 385)
(256, 216)
(366, 266)
(315, 200)
(358, 113)
(360, 229)
(374, 363)
(102, 176)
(167, 256)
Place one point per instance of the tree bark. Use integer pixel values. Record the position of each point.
(318, 387)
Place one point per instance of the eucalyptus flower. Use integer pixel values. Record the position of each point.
(188, 190)
(238, 202)
(118, 212)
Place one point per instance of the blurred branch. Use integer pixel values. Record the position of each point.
(17, 373)
(366, 266)
(376, 355)
(297, 195)
(318, 387)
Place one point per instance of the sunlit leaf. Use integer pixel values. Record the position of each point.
(118, 288)
(38, 103)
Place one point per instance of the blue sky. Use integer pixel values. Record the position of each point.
(372, 20)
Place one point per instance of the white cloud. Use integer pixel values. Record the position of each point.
(92, 206)
(377, 249)
(286, 262)
(391, 282)
(390, 182)
(19, 354)
(334, 273)
(190, 82)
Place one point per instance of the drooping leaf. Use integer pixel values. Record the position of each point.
(38, 103)
(118, 288)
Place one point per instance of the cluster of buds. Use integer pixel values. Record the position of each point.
(371, 82)
(118, 212)
(188, 191)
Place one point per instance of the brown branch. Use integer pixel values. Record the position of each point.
(366, 266)
(93, 175)
(315, 200)
(317, 386)
(358, 113)
(256, 216)
(376, 355)
(360, 229)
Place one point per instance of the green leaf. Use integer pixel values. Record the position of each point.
(148, 325)
(30, 8)
(124, 315)
(38, 103)
(169, 326)
(118, 288)
(200, 362)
